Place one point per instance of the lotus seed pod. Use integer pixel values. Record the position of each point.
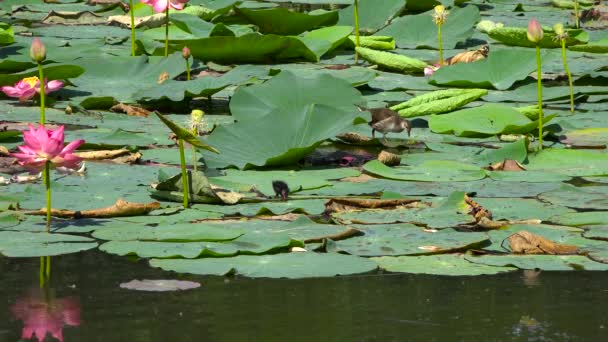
(389, 159)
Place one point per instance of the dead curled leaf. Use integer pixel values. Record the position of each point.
(524, 242)
(102, 154)
(130, 110)
(477, 210)
(346, 204)
(121, 208)
(343, 235)
(506, 165)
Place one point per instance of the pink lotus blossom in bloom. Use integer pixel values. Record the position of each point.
(42, 146)
(41, 317)
(429, 70)
(30, 86)
(161, 5)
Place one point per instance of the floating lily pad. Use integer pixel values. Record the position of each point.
(541, 262)
(175, 233)
(28, 244)
(160, 285)
(429, 171)
(569, 162)
(285, 22)
(447, 265)
(290, 265)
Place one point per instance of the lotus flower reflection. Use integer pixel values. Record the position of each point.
(42, 317)
(30, 86)
(42, 146)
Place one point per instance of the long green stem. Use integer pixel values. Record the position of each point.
(187, 70)
(48, 268)
(440, 43)
(540, 98)
(42, 94)
(576, 13)
(47, 184)
(182, 159)
(569, 75)
(167, 32)
(357, 40)
(41, 275)
(194, 159)
(132, 27)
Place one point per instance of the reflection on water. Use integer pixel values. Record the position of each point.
(546, 306)
(43, 314)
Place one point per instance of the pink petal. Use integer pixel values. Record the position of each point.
(71, 147)
(177, 4)
(31, 140)
(53, 86)
(160, 5)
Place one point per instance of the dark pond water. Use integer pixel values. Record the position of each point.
(550, 306)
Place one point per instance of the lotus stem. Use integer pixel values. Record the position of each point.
(48, 268)
(47, 184)
(167, 32)
(41, 275)
(132, 27)
(569, 75)
(540, 97)
(440, 43)
(42, 95)
(576, 15)
(357, 40)
(187, 70)
(186, 188)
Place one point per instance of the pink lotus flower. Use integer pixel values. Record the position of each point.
(30, 86)
(429, 70)
(161, 5)
(535, 31)
(42, 146)
(41, 317)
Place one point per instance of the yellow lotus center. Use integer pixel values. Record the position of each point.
(31, 81)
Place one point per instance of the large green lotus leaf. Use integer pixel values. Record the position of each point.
(582, 218)
(307, 110)
(416, 31)
(282, 21)
(595, 137)
(245, 244)
(185, 134)
(356, 76)
(522, 209)
(120, 78)
(7, 36)
(51, 72)
(541, 262)
(429, 171)
(249, 48)
(528, 94)
(373, 14)
(558, 234)
(596, 232)
(569, 162)
(102, 185)
(588, 197)
(104, 138)
(407, 239)
(490, 119)
(326, 39)
(445, 264)
(500, 70)
(174, 232)
(389, 81)
(599, 46)
(528, 176)
(441, 101)
(310, 207)
(296, 180)
(288, 265)
(28, 244)
(449, 212)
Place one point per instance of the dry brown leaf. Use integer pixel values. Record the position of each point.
(131, 158)
(151, 21)
(389, 159)
(73, 18)
(430, 248)
(524, 242)
(507, 165)
(362, 178)
(164, 76)
(121, 208)
(101, 155)
(4, 151)
(477, 210)
(343, 235)
(130, 110)
(347, 204)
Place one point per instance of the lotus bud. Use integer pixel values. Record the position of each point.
(186, 52)
(560, 32)
(37, 51)
(535, 31)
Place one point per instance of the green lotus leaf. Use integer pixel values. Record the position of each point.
(485, 120)
(373, 15)
(185, 134)
(419, 30)
(436, 102)
(429, 171)
(289, 265)
(29, 244)
(282, 21)
(169, 233)
(541, 262)
(445, 264)
(392, 61)
(517, 36)
(569, 162)
(307, 110)
(51, 72)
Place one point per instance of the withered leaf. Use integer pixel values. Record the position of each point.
(130, 110)
(524, 242)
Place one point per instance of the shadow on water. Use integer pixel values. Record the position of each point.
(520, 306)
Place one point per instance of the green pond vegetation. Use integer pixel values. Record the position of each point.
(285, 89)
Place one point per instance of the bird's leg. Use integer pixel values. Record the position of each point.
(373, 133)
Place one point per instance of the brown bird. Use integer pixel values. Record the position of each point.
(469, 56)
(385, 120)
